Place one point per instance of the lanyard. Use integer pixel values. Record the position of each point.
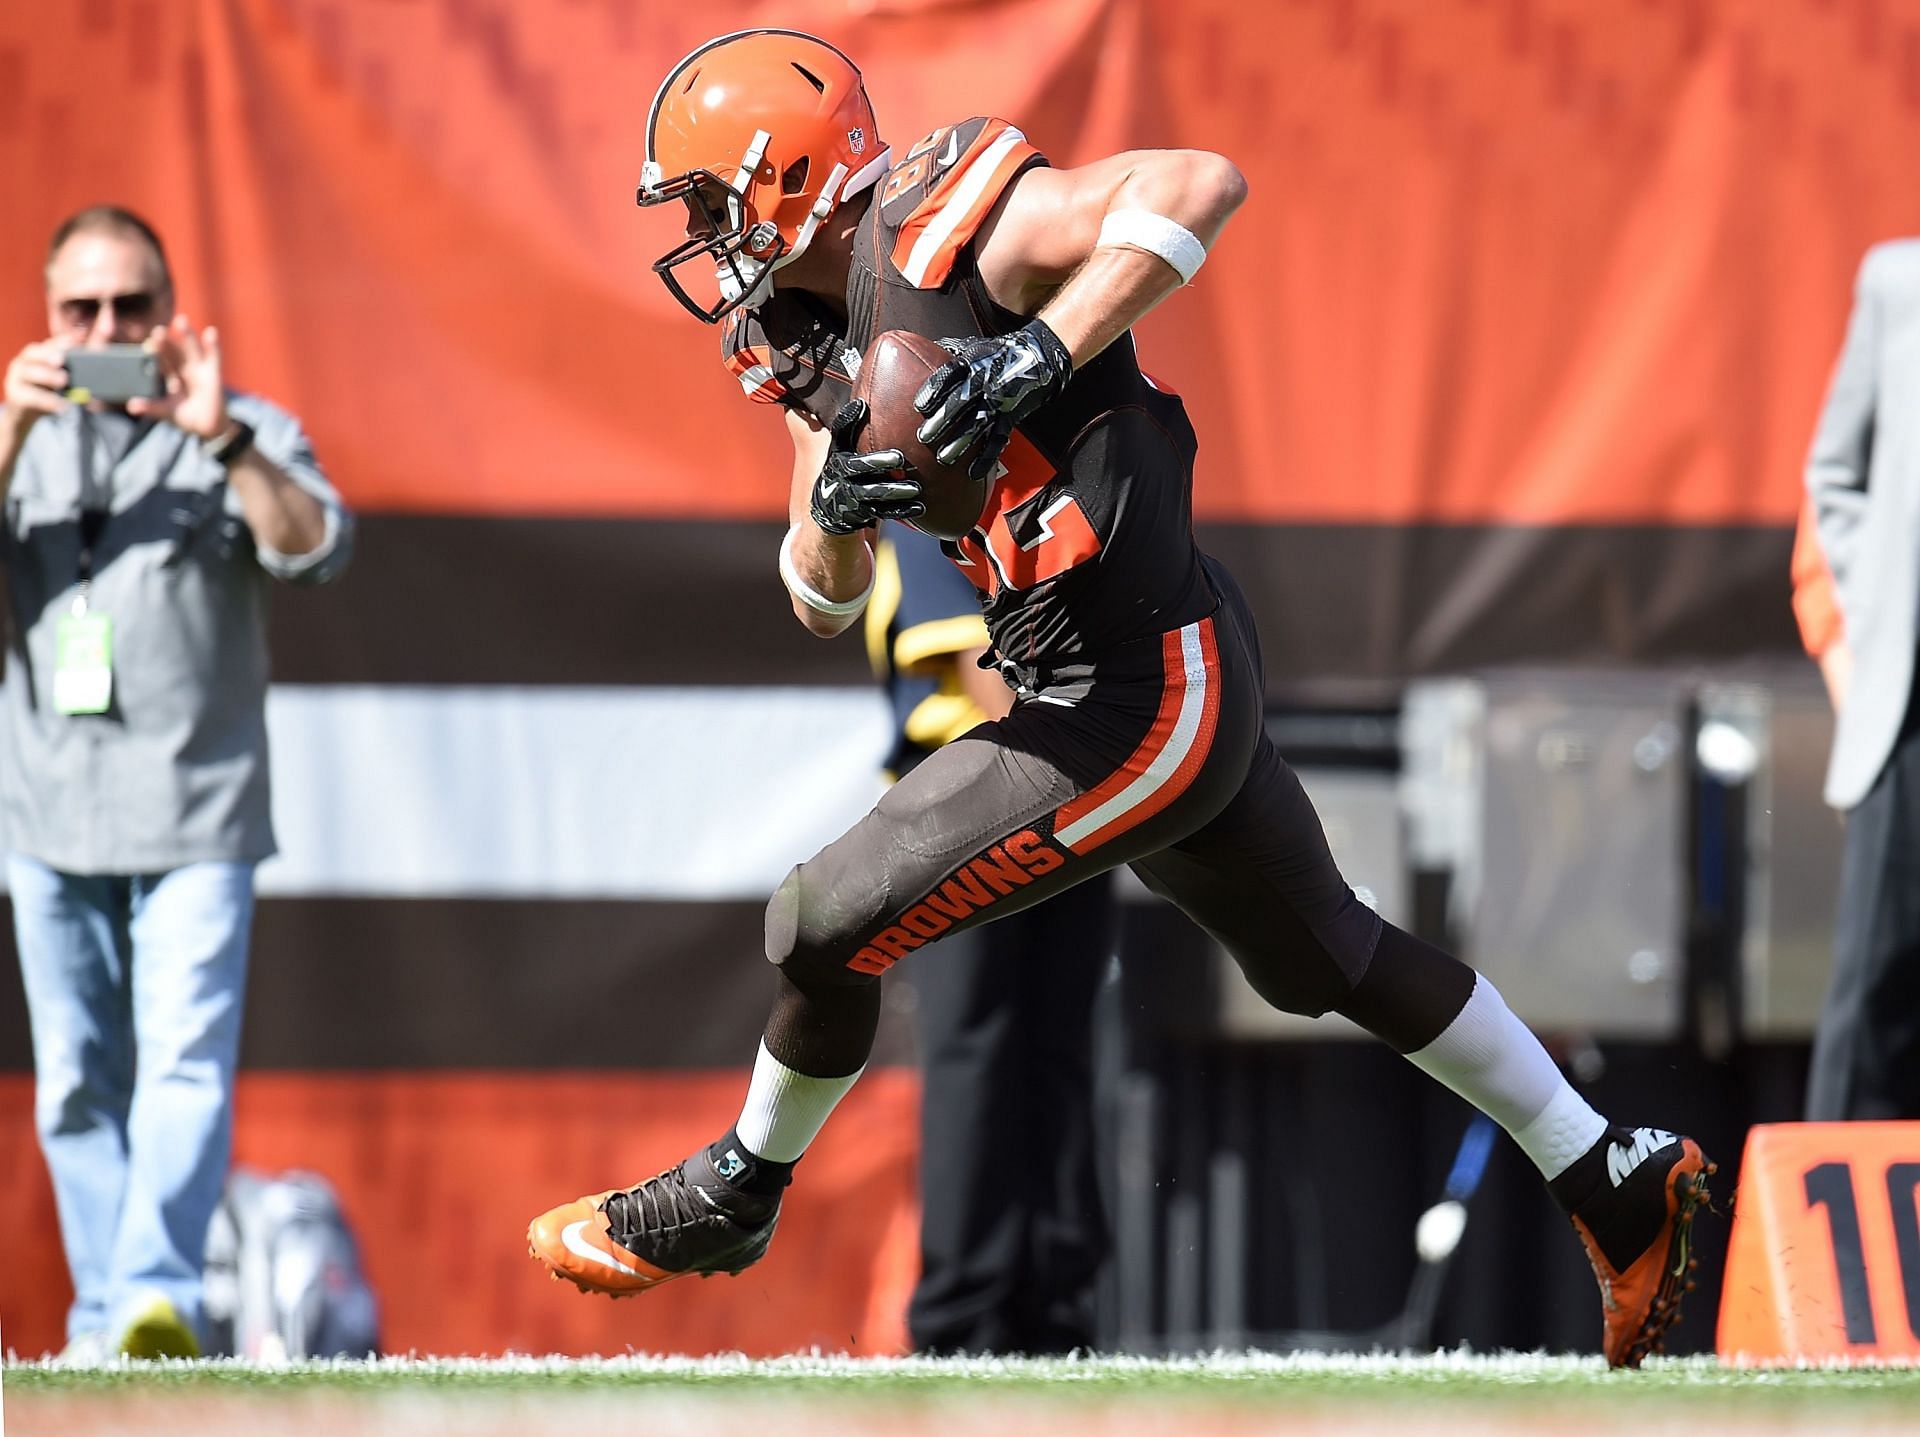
(96, 492)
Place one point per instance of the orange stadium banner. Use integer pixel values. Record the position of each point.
(1512, 356)
(438, 1174)
(1517, 261)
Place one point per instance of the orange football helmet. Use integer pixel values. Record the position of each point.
(762, 133)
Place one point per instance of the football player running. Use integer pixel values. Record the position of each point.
(1137, 737)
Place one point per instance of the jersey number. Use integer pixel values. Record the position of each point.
(915, 168)
(905, 177)
(1010, 550)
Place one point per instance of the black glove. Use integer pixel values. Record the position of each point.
(973, 401)
(853, 491)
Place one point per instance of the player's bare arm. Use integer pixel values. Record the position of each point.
(838, 566)
(1042, 251)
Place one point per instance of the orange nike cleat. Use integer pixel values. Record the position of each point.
(1642, 1254)
(686, 1220)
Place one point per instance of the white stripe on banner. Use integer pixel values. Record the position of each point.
(646, 793)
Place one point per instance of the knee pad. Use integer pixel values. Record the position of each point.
(811, 933)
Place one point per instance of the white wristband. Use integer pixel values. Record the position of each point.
(1156, 234)
(810, 596)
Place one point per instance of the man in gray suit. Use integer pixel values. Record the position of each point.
(1863, 478)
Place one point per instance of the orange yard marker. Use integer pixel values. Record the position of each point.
(1825, 1254)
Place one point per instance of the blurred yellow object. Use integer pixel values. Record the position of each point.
(157, 1330)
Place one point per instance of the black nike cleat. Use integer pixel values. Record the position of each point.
(1637, 1232)
(683, 1221)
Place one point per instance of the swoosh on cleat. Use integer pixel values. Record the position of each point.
(580, 1247)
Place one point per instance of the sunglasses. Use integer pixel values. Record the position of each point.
(83, 313)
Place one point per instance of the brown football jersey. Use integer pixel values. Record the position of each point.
(1086, 540)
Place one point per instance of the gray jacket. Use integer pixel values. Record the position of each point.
(175, 771)
(1864, 476)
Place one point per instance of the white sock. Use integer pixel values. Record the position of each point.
(1490, 1058)
(785, 1110)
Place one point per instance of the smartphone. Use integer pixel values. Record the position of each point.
(113, 375)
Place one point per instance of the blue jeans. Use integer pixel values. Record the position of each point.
(134, 989)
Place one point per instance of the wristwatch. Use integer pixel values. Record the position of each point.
(225, 449)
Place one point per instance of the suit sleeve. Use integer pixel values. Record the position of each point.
(280, 437)
(1841, 456)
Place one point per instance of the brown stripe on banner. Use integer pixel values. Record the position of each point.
(1346, 611)
(442, 600)
(363, 983)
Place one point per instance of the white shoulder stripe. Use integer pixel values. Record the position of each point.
(973, 181)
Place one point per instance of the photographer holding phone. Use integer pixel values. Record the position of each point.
(147, 507)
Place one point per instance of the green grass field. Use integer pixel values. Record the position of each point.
(1221, 1396)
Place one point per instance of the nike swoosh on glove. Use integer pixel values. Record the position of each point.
(854, 491)
(974, 400)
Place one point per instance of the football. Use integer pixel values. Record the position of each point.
(896, 365)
